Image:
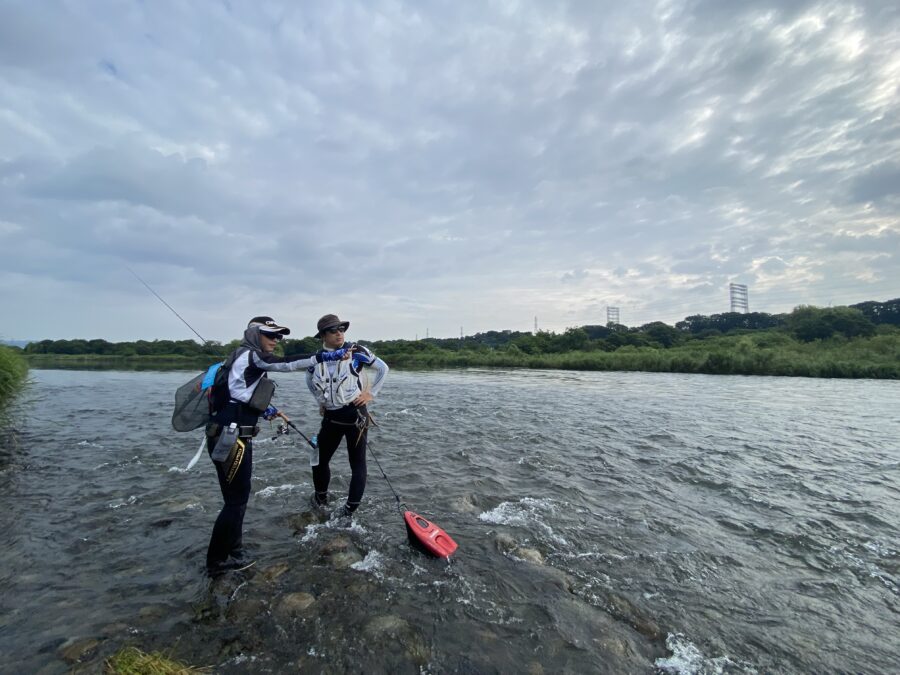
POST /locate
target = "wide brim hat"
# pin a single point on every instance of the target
(330, 321)
(266, 324)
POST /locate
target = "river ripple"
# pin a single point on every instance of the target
(607, 522)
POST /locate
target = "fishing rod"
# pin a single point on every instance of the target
(272, 412)
(166, 304)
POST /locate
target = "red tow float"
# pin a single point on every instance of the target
(427, 536)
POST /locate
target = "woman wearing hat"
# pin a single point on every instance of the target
(343, 397)
(249, 392)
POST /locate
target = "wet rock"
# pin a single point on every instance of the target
(150, 613)
(466, 504)
(392, 630)
(344, 559)
(612, 645)
(386, 626)
(625, 610)
(529, 555)
(246, 609)
(504, 543)
(300, 521)
(295, 604)
(558, 578)
(341, 552)
(78, 650)
(338, 544)
(272, 572)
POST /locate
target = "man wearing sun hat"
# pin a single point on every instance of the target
(343, 390)
(249, 393)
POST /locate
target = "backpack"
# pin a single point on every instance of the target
(197, 400)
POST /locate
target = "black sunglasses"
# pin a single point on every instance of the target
(334, 330)
(278, 337)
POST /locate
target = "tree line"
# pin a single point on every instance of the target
(804, 324)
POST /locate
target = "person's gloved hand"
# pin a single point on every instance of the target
(336, 355)
(270, 413)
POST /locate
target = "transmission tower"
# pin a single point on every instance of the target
(738, 293)
(535, 325)
(612, 315)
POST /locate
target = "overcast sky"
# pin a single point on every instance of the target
(427, 166)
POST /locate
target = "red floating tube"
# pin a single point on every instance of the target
(427, 536)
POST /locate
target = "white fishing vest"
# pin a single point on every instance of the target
(337, 382)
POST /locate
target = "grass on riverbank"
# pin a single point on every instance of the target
(107, 362)
(13, 369)
(760, 354)
(132, 661)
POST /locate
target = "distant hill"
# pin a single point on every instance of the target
(16, 343)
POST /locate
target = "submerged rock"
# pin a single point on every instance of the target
(625, 610)
(300, 521)
(340, 552)
(392, 630)
(504, 543)
(78, 650)
(466, 504)
(528, 554)
(245, 609)
(344, 559)
(387, 625)
(339, 543)
(272, 572)
(295, 604)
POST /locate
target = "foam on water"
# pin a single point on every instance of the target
(527, 512)
(687, 659)
(276, 489)
(373, 563)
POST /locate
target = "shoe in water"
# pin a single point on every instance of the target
(316, 504)
(342, 513)
(230, 565)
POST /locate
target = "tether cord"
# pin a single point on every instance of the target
(364, 423)
(400, 504)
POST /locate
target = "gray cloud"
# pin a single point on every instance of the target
(449, 165)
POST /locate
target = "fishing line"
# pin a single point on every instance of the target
(166, 304)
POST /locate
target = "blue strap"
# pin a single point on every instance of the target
(210, 376)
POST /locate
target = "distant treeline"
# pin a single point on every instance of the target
(810, 341)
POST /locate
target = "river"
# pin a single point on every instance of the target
(606, 522)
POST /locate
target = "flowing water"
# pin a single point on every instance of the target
(607, 522)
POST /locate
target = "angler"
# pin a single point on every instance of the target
(343, 390)
(233, 426)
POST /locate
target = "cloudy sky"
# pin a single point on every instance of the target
(423, 167)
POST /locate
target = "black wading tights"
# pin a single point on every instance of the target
(336, 426)
(227, 534)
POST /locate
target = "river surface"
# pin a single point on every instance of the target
(606, 522)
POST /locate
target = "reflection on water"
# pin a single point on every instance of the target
(606, 521)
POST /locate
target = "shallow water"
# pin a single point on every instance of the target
(607, 522)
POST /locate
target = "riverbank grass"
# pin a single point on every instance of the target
(13, 369)
(132, 661)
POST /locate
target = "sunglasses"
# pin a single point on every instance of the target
(278, 337)
(332, 331)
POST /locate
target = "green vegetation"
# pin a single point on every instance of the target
(132, 661)
(13, 369)
(858, 341)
